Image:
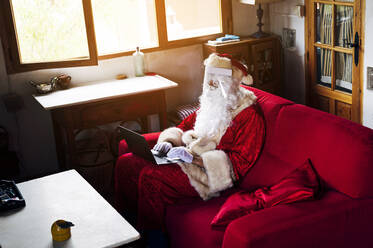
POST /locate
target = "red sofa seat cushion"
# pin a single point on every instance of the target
(188, 224)
(333, 221)
(341, 151)
(302, 184)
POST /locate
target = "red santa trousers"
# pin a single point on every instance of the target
(150, 188)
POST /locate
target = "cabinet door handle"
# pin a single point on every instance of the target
(252, 68)
(356, 46)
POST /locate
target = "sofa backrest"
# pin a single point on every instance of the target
(340, 150)
(270, 105)
(258, 175)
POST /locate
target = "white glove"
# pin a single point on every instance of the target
(181, 153)
(163, 147)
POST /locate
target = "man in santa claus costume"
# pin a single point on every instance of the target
(218, 144)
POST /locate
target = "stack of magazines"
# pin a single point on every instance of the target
(225, 39)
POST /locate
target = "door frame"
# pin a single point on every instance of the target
(357, 101)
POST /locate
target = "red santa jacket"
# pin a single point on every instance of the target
(243, 139)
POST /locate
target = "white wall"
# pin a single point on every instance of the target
(368, 61)
(33, 136)
(244, 19)
(284, 15)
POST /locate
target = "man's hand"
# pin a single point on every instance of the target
(163, 147)
(197, 160)
(181, 153)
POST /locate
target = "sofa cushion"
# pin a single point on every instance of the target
(341, 151)
(335, 221)
(268, 170)
(301, 184)
(188, 224)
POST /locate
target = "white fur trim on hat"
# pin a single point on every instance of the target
(216, 61)
(172, 135)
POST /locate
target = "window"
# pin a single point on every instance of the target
(193, 18)
(53, 36)
(121, 26)
(43, 34)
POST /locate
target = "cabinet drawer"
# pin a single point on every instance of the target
(121, 109)
(126, 109)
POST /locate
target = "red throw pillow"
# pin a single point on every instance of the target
(301, 184)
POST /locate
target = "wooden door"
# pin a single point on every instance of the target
(334, 56)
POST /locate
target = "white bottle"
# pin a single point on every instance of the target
(138, 62)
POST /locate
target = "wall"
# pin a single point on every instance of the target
(283, 15)
(31, 128)
(368, 61)
(244, 19)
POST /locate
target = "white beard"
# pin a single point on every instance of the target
(216, 111)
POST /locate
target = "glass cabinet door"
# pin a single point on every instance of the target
(333, 56)
(265, 58)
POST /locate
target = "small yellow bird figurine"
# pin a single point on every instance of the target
(61, 230)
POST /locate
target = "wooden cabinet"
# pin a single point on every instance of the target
(333, 63)
(262, 56)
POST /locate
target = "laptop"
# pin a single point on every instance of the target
(138, 146)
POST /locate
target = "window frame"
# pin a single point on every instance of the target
(12, 56)
(164, 43)
(11, 50)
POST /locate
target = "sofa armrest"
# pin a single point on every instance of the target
(151, 138)
(345, 223)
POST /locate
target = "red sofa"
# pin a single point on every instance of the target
(342, 154)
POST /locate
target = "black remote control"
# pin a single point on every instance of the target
(10, 196)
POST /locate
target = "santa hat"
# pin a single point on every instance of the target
(226, 61)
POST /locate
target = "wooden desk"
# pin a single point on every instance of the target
(88, 105)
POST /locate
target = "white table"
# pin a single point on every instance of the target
(67, 196)
(90, 92)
